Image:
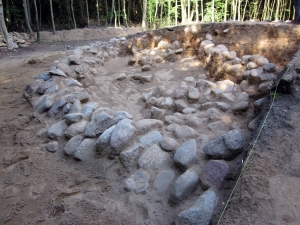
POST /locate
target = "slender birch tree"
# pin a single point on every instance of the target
(27, 17)
(52, 17)
(9, 42)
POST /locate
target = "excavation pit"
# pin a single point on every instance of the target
(168, 120)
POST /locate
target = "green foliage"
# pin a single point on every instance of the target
(219, 10)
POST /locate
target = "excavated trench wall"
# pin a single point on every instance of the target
(277, 42)
(250, 54)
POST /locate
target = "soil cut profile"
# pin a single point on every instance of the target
(152, 128)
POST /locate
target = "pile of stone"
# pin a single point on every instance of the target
(254, 73)
(168, 141)
(20, 40)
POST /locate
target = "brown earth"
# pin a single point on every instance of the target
(38, 187)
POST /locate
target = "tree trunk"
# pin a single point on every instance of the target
(119, 14)
(27, 17)
(155, 14)
(176, 13)
(225, 10)
(244, 10)
(8, 18)
(202, 11)
(115, 13)
(183, 12)
(106, 11)
(189, 11)
(10, 44)
(98, 17)
(125, 15)
(73, 16)
(213, 11)
(197, 12)
(169, 12)
(38, 39)
(87, 12)
(52, 17)
(144, 15)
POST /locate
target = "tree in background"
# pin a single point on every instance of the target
(68, 14)
(10, 44)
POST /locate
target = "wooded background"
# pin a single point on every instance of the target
(20, 15)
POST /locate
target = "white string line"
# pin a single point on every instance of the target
(250, 152)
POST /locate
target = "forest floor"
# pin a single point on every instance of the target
(38, 187)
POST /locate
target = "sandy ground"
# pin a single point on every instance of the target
(38, 187)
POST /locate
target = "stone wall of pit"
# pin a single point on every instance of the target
(274, 41)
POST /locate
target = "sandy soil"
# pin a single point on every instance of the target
(38, 187)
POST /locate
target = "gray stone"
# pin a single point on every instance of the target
(73, 118)
(181, 91)
(166, 103)
(43, 76)
(251, 65)
(193, 93)
(74, 59)
(56, 107)
(131, 61)
(88, 110)
(151, 102)
(45, 104)
(245, 59)
(145, 125)
(98, 111)
(168, 144)
(72, 82)
(121, 135)
(158, 91)
(72, 144)
(75, 107)
(201, 212)
(81, 96)
(86, 148)
(192, 121)
(269, 67)
(153, 158)
(146, 68)
(121, 76)
(223, 106)
(33, 86)
(57, 72)
(185, 132)
(173, 119)
(57, 130)
(45, 85)
(254, 124)
(66, 108)
(261, 61)
(137, 182)
(226, 146)
(180, 105)
(64, 68)
(157, 113)
(119, 115)
(188, 110)
(163, 180)
(151, 138)
(258, 104)
(214, 173)
(186, 154)
(76, 129)
(98, 125)
(131, 154)
(103, 141)
(241, 106)
(146, 78)
(184, 185)
(52, 146)
(190, 81)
